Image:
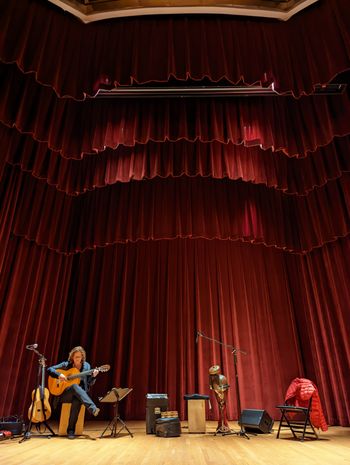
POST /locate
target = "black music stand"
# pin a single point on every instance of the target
(114, 396)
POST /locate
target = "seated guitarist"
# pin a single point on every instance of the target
(76, 394)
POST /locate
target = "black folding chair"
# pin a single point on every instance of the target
(297, 420)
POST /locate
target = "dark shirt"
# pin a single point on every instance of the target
(85, 381)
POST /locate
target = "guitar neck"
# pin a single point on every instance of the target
(79, 375)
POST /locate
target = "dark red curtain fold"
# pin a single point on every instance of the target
(289, 312)
(321, 296)
(170, 208)
(137, 267)
(175, 159)
(294, 126)
(150, 300)
(34, 283)
(158, 48)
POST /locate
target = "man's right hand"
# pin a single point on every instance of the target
(62, 377)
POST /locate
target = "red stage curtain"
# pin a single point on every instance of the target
(33, 292)
(175, 159)
(158, 48)
(143, 315)
(136, 302)
(294, 126)
(289, 312)
(170, 208)
(321, 296)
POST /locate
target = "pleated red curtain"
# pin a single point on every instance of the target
(138, 306)
(126, 226)
(320, 292)
(175, 159)
(171, 208)
(152, 297)
(34, 285)
(74, 128)
(158, 48)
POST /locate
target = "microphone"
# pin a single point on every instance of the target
(32, 346)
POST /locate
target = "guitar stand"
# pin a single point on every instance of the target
(28, 434)
(115, 396)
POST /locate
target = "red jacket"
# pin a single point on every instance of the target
(299, 392)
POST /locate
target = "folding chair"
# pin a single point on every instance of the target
(297, 419)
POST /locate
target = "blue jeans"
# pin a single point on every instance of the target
(76, 396)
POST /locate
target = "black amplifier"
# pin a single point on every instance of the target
(155, 404)
(258, 421)
(14, 424)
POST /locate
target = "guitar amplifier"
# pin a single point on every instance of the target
(155, 404)
(14, 424)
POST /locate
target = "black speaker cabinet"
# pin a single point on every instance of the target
(258, 421)
(155, 404)
(16, 427)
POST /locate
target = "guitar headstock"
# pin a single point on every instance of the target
(103, 368)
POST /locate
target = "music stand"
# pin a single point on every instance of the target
(114, 396)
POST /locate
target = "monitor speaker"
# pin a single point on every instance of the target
(257, 421)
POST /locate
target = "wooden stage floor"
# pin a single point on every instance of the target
(333, 448)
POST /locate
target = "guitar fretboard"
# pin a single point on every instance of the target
(79, 375)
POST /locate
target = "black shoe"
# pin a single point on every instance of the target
(70, 435)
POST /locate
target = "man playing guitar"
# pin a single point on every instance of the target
(76, 394)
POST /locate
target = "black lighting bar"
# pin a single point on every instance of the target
(208, 91)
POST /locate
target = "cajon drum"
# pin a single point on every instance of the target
(64, 418)
(196, 416)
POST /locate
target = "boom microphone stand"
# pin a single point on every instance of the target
(39, 388)
(234, 351)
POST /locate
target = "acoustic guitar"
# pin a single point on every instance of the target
(40, 409)
(73, 375)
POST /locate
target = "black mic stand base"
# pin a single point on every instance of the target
(222, 430)
(242, 433)
(28, 434)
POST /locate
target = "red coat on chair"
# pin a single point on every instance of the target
(299, 392)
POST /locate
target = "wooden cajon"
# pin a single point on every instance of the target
(64, 418)
(196, 416)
